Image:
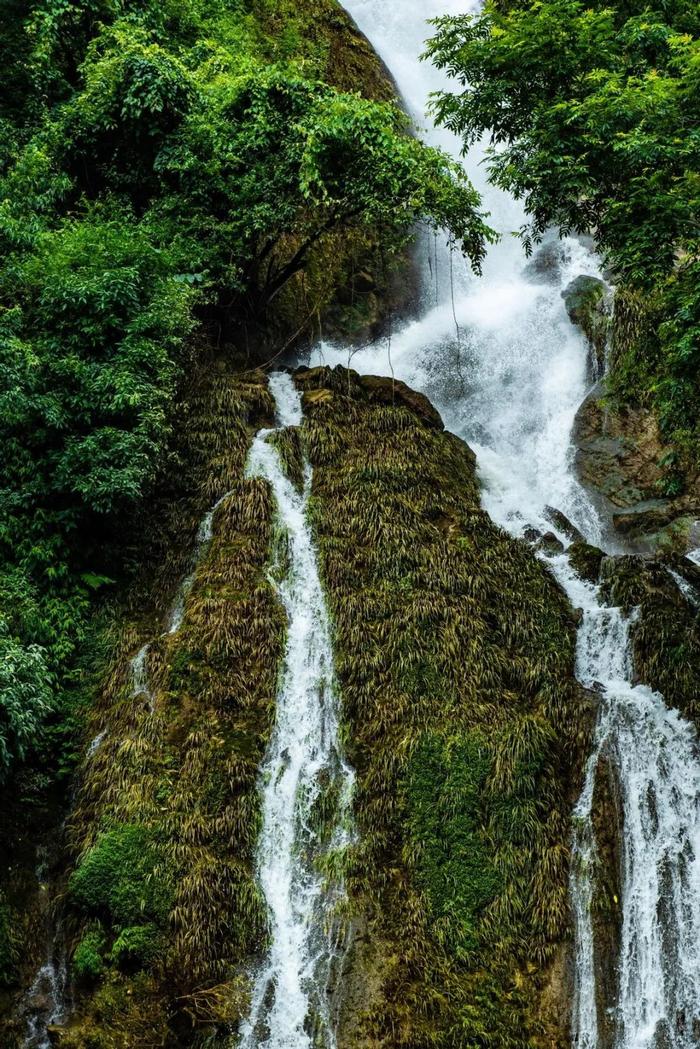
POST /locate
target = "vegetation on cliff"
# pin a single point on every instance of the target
(166, 169)
(454, 652)
(593, 111)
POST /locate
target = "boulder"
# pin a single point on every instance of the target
(586, 560)
(562, 523)
(549, 544)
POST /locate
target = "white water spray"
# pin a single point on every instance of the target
(508, 372)
(291, 1005)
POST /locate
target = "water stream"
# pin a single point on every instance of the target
(500, 359)
(292, 995)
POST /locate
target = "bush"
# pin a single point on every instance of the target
(137, 947)
(88, 963)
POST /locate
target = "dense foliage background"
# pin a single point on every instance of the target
(594, 116)
(165, 170)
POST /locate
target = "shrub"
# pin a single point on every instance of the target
(88, 963)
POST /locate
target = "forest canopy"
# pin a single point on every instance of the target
(160, 163)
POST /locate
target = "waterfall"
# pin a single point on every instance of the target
(500, 359)
(292, 1000)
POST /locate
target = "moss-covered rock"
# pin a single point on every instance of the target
(455, 654)
(665, 633)
(588, 303)
(586, 560)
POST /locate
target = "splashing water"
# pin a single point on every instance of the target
(291, 1004)
(500, 359)
(47, 1001)
(205, 534)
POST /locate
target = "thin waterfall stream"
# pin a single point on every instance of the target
(47, 1003)
(292, 995)
(500, 359)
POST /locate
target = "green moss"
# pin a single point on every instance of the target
(124, 876)
(447, 803)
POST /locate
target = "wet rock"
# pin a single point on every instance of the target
(586, 560)
(549, 544)
(618, 457)
(531, 535)
(646, 517)
(562, 523)
(588, 303)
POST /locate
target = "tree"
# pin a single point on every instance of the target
(593, 113)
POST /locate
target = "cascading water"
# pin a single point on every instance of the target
(291, 1003)
(500, 359)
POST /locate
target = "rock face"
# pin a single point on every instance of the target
(619, 456)
(588, 302)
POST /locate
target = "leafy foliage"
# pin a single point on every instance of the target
(25, 697)
(593, 111)
(88, 963)
(168, 169)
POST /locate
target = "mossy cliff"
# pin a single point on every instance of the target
(454, 651)
(159, 904)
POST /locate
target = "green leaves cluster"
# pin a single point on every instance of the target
(123, 878)
(160, 179)
(593, 111)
